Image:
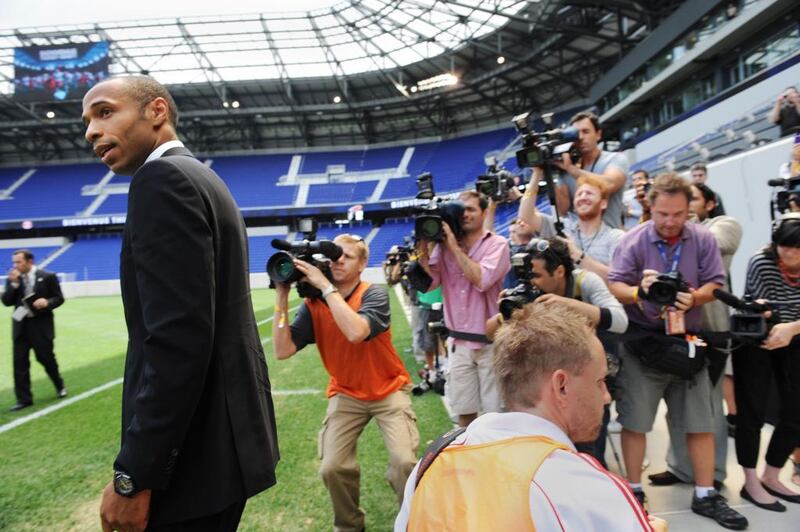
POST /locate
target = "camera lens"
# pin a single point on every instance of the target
(430, 228)
(280, 267)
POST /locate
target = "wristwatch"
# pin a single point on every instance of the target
(124, 484)
(328, 291)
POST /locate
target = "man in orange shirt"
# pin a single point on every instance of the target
(350, 324)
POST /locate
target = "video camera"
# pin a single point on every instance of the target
(783, 199)
(319, 253)
(524, 292)
(542, 148)
(428, 224)
(665, 288)
(495, 182)
(748, 321)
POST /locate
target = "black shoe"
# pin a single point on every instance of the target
(716, 507)
(772, 507)
(62, 393)
(19, 406)
(640, 496)
(718, 485)
(665, 478)
(778, 494)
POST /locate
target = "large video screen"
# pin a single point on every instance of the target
(60, 72)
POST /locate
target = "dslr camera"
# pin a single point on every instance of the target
(495, 182)
(542, 148)
(524, 292)
(428, 225)
(665, 288)
(319, 253)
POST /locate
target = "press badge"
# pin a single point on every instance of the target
(674, 322)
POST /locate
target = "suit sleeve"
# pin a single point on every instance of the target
(9, 297)
(173, 258)
(55, 298)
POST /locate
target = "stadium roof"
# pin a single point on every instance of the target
(358, 72)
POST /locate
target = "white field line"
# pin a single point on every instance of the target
(61, 404)
(267, 320)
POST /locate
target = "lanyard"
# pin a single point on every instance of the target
(676, 256)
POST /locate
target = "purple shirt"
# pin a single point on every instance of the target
(467, 307)
(700, 263)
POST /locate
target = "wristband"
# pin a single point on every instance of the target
(281, 317)
(636, 295)
(328, 291)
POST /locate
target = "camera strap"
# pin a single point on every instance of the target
(435, 449)
(676, 256)
(470, 337)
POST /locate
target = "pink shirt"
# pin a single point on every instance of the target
(466, 306)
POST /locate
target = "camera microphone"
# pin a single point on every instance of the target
(778, 182)
(330, 250)
(283, 245)
(727, 298)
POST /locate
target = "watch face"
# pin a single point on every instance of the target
(123, 484)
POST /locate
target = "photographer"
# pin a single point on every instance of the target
(663, 271)
(716, 318)
(642, 182)
(470, 271)
(609, 167)
(591, 241)
(786, 111)
(773, 274)
(552, 272)
(350, 323)
(519, 470)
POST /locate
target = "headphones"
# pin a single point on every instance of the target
(779, 225)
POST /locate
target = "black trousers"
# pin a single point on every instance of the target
(30, 338)
(753, 371)
(225, 521)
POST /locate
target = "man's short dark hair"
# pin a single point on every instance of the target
(642, 171)
(144, 89)
(24, 252)
(557, 254)
(483, 199)
(699, 166)
(586, 114)
(706, 192)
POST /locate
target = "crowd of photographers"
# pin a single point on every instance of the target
(653, 283)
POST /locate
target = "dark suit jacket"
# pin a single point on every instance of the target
(198, 426)
(46, 286)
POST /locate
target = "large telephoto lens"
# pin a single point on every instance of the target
(281, 269)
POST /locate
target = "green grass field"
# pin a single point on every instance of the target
(53, 469)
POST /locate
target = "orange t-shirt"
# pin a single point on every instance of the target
(369, 370)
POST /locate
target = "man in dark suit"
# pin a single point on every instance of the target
(34, 293)
(198, 426)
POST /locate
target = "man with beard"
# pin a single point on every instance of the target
(609, 167)
(591, 240)
(519, 470)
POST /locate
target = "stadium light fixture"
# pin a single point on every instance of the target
(225, 104)
(337, 99)
(501, 60)
(50, 114)
(442, 80)
(235, 104)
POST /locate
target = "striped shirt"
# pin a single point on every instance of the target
(765, 281)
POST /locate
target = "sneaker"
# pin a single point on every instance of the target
(62, 393)
(716, 507)
(640, 496)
